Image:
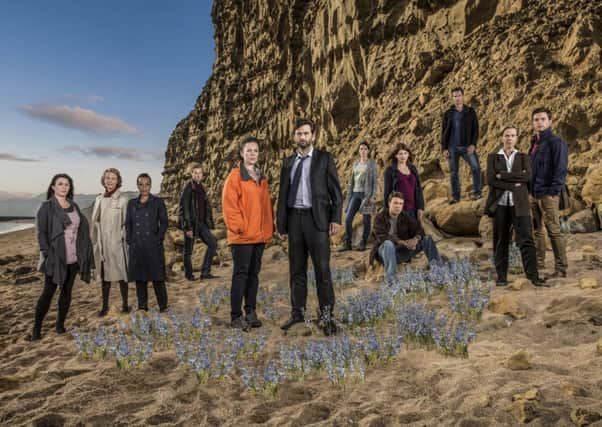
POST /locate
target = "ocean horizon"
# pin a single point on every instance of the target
(10, 226)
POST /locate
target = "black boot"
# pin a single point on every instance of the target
(123, 288)
(346, 246)
(36, 334)
(106, 291)
(362, 246)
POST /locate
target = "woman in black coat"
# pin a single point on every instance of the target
(508, 175)
(402, 176)
(65, 250)
(145, 225)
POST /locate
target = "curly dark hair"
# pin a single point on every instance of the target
(50, 191)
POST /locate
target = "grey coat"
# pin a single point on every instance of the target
(50, 227)
(370, 184)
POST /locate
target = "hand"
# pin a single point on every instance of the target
(498, 176)
(470, 149)
(189, 233)
(412, 243)
(446, 154)
(280, 236)
(372, 200)
(334, 228)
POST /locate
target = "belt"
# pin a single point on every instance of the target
(300, 211)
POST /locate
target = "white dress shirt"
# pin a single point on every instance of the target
(506, 199)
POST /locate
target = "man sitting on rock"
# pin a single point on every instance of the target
(398, 238)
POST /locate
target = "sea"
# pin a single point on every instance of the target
(9, 227)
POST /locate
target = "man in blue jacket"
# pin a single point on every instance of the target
(459, 135)
(549, 164)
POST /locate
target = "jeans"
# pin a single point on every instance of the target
(454, 166)
(352, 209)
(205, 235)
(245, 281)
(546, 212)
(504, 220)
(392, 255)
(64, 299)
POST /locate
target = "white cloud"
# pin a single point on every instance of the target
(124, 153)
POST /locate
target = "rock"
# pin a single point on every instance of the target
(505, 304)
(588, 283)
(486, 228)
(574, 308)
(27, 279)
(598, 210)
(599, 347)
(519, 361)
(583, 222)
(484, 400)
(177, 267)
(591, 192)
(23, 269)
(519, 284)
(460, 219)
(584, 417)
(531, 394)
(524, 411)
(299, 330)
(574, 391)
(176, 236)
(10, 259)
(430, 229)
(588, 249)
(220, 233)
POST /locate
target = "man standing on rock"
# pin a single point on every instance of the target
(196, 219)
(309, 211)
(459, 135)
(549, 164)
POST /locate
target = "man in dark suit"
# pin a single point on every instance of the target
(309, 212)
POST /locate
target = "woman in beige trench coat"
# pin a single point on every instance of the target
(108, 238)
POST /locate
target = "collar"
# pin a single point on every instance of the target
(544, 135)
(503, 153)
(245, 176)
(311, 151)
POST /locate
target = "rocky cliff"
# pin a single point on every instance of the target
(382, 70)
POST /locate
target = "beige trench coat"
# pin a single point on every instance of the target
(108, 237)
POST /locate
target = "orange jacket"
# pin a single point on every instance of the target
(247, 208)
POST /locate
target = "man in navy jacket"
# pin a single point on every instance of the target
(549, 165)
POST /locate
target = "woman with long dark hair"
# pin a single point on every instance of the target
(108, 238)
(65, 250)
(361, 196)
(402, 176)
(249, 219)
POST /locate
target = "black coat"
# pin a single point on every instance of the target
(50, 224)
(326, 195)
(188, 213)
(145, 227)
(521, 173)
(470, 127)
(407, 229)
(549, 165)
(392, 184)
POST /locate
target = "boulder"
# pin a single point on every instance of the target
(583, 221)
(584, 417)
(599, 347)
(524, 411)
(459, 219)
(574, 308)
(486, 228)
(505, 304)
(519, 361)
(588, 283)
(591, 192)
(519, 284)
(430, 229)
(176, 236)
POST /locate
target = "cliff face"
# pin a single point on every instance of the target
(382, 70)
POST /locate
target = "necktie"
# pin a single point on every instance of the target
(292, 192)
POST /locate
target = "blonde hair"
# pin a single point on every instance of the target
(113, 171)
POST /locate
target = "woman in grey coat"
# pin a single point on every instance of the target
(361, 196)
(108, 238)
(65, 250)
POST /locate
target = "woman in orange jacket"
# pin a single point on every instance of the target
(248, 217)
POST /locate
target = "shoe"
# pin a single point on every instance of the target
(453, 201)
(239, 323)
(191, 278)
(362, 246)
(252, 320)
(557, 275)
(125, 309)
(329, 328)
(103, 312)
(501, 282)
(60, 330)
(208, 276)
(35, 336)
(290, 322)
(142, 308)
(540, 283)
(164, 310)
(475, 196)
(346, 246)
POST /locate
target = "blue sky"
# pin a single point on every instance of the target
(90, 85)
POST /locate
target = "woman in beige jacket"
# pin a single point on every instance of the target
(108, 238)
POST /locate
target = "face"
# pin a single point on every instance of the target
(509, 139)
(303, 137)
(61, 187)
(395, 206)
(250, 153)
(110, 181)
(364, 151)
(144, 186)
(458, 98)
(402, 156)
(541, 122)
(197, 175)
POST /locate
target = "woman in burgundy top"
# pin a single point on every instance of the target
(402, 176)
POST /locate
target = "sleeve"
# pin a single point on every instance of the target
(42, 229)
(185, 209)
(560, 159)
(334, 191)
(128, 223)
(349, 191)
(209, 214)
(230, 207)
(375, 180)
(388, 188)
(492, 180)
(124, 209)
(281, 202)
(162, 216)
(475, 129)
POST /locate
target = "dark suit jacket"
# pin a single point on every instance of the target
(326, 195)
(521, 172)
